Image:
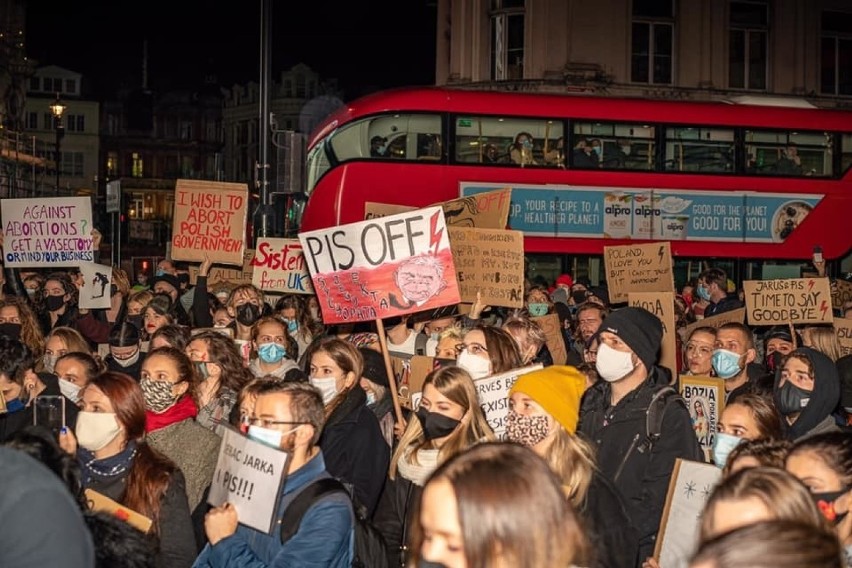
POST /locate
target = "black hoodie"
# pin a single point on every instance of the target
(823, 398)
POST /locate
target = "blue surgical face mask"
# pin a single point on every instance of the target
(271, 352)
(14, 405)
(159, 272)
(726, 363)
(723, 444)
(537, 309)
(703, 293)
(527, 144)
(597, 150)
(265, 436)
(292, 326)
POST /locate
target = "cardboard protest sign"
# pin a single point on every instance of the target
(493, 395)
(488, 210)
(690, 486)
(705, 399)
(95, 294)
(381, 268)
(490, 261)
(279, 266)
(843, 329)
(638, 268)
(374, 210)
(248, 475)
(102, 504)
(553, 337)
(718, 321)
(235, 276)
(792, 300)
(661, 304)
(53, 231)
(841, 292)
(410, 374)
(209, 219)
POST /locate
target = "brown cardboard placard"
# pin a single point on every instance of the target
(638, 268)
(487, 210)
(788, 301)
(843, 329)
(554, 339)
(841, 292)
(661, 304)
(279, 266)
(490, 261)
(705, 399)
(716, 321)
(218, 273)
(101, 503)
(410, 374)
(374, 210)
(209, 220)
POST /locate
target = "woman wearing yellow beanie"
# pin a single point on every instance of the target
(544, 408)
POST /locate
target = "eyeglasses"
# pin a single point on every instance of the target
(266, 423)
(475, 348)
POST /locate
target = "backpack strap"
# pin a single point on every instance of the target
(306, 499)
(654, 415)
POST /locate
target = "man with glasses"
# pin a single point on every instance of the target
(288, 416)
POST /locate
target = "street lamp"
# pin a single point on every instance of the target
(58, 109)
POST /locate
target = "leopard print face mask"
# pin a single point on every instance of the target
(526, 430)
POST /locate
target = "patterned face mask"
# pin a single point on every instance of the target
(158, 395)
(526, 430)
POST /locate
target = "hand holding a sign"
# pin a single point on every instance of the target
(97, 237)
(220, 522)
(478, 307)
(204, 269)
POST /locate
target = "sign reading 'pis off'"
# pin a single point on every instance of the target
(51, 232)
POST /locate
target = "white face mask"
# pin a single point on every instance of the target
(478, 367)
(49, 362)
(96, 429)
(69, 390)
(267, 436)
(129, 362)
(326, 386)
(371, 398)
(613, 365)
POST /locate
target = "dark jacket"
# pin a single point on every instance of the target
(608, 525)
(617, 433)
(392, 516)
(823, 399)
(133, 370)
(354, 449)
(68, 318)
(729, 303)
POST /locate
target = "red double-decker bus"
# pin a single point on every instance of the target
(724, 180)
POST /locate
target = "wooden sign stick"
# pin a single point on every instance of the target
(793, 336)
(383, 341)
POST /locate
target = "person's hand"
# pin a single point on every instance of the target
(67, 441)
(220, 522)
(97, 237)
(399, 428)
(820, 267)
(478, 307)
(204, 269)
(650, 562)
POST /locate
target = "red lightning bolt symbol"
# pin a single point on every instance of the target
(435, 233)
(824, 308)
(810, 285)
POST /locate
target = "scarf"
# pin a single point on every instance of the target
(419, 472)
(183, 409)
(105, 469)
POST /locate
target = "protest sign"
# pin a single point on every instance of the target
(493, 395)
(279, 266)
(234, 276)
(53, 231)
(717, 321)
(792, 300)
(843, 329)
(410, 374)
(374, 210)
(638, 268)
(690, 486)
(248, 475)
(95, 293)
(381, 268)
(553, 337)
(841, 292)
(209, 219)
(100, 503)
(705, 399)
(661, 304)
(489, 261)
(488, 210)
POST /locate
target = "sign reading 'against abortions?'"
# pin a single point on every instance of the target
(638, 268)
(789, 300)
(209, 220)
(383, 267)
(279, 266)
(248, 475)
(55, 231)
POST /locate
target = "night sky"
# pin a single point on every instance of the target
(365, 45)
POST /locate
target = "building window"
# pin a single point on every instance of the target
(136, 165)
(32, 121)
(747, 45)
(836, 64)
(48, 121)
(652, 42)
(70, 86)
(507, 40)
(35, 83)
(185, 130)
(75, 122)
(112, 164)
(81, 123)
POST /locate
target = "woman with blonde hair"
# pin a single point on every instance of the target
(61, 340)
(18, 321)
(822, 338)
(544, 407)
(136, 304)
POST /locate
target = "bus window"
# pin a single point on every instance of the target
(317, 165)
(508, 141)
(846, 153)
(788, 153)
(699, 149)
(384, 137)
(613, 146)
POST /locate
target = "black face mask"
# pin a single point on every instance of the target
(11, 330)
(435, 425)
(579, 296)
(792, 399)
(825, 504)
(54, 303)
(113, 290)
(247, 314)
(135, 320)
(773, 361)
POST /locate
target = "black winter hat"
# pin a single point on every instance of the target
(641, 330)
(169, 279)
(374, 367)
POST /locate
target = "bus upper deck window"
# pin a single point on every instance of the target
(788, 153)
